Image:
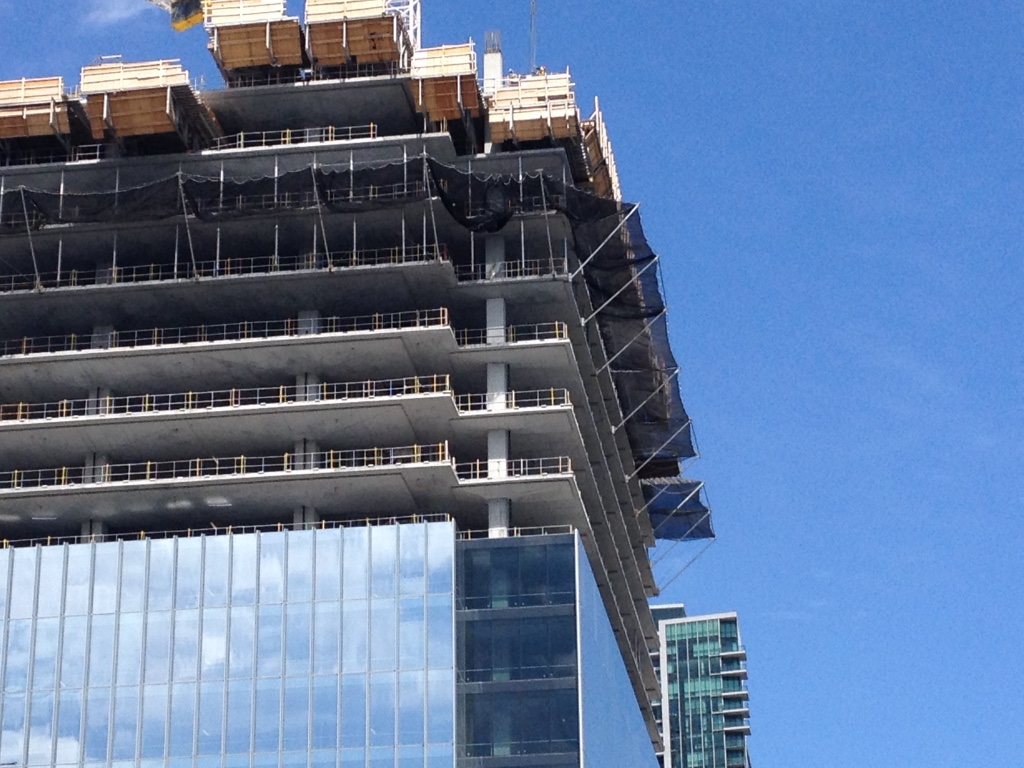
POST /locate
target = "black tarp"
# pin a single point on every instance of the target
(676, 509)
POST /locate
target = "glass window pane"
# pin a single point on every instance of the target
(101, 654)
(353, 709)
(154, 720)
(104, 585)
(97, 722)
(355, 621)
(12, 733)
(215, 571)
(239, 732)
(44, 665)
(328, 564)
(440, 704)
(188, 572)
(440, 623)
(325, 713)
(413, 559)
(384, 560)
(382, 709)
(242, 639)
(19, 651)
(412, 633)
(269, 641)
(440, 557)
(158, 644)
(40, 728)
(213, 660)
(23, 582)
(129, 649)
(296, 714)
(186, 645)
(133, 576)
(412, 695)
(243, 569)
(268, 715)
(272, 567)
(126, 719)
(355, 562)
(69, 724)
(211, 718)
(384, 631)
(161, 574)
(326, 638)
(183, 710)
(51, 581)
(297, 636)
(72, 670)
(300, 566)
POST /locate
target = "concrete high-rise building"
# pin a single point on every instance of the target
(337, 411)
(704, 711)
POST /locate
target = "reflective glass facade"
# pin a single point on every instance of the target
(328, 647)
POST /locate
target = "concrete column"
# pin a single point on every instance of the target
(494, 63)
(305, 454)
(494, 256)
(94, 528)
(496, 321)
(305, 518)
(309, 322)
(307, 387)
(95, 468)
(102, 337)
(497, 454)
(498, 512)
(497, 386)
(96, 403)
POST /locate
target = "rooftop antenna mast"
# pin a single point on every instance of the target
(533, 36)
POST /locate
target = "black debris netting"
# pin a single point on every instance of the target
(159, 200)
(676, 509)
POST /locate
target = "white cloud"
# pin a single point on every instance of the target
(106, 12)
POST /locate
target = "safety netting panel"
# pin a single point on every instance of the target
(677, 510)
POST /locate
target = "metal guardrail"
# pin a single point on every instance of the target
(266, 202)
(513, 469)
(515, 334)
(547, 530)
(155, 337)
(225, 530)
(231, 267)
(247, 140)
(541, 398)
(201, 468)
(225, 398)
(512, 270)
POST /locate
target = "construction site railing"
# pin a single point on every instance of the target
(202, 468)
(513, 469)
(268, 329)
(519, 205)
(515, 334)
(212, 206)
(225, 530)
(546, 530)
(227, 267)
(541, 398)
(328, 133)
(226, 398)
(512, 270)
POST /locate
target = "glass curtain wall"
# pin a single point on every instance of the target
(327, 647)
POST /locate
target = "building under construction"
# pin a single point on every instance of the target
(337, 410)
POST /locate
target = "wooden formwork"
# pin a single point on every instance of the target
(445, 81)
(604, 175)
(338, 31)
(534, 107)
(33, 107)
(253, 33)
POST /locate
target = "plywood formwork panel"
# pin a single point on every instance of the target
(535, 107)
(33, 107)
(336, 10)
(219, 13)
(267, 44)
(40, 90)
(445, 81)
(377, 40)
(141, 112)
(120, 76)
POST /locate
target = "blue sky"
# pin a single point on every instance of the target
(836, 191)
